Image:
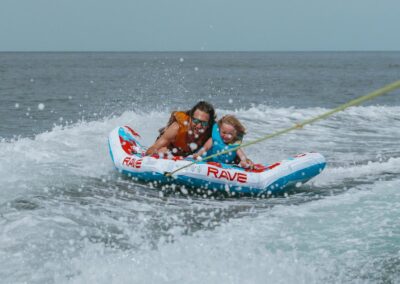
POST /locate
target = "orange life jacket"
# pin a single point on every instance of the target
(182, 141)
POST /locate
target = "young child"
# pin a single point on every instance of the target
(226, 134)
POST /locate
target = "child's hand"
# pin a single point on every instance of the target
(197, 157)
(248, 164)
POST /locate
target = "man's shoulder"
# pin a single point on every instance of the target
(172, 129)
(181, 116)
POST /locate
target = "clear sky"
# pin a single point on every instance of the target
(209, 25)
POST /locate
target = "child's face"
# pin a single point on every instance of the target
(227, 132)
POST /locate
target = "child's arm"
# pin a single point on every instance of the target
(207, 146)
(244, 161)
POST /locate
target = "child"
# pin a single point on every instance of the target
(226, 134)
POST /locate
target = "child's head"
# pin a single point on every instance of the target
(230, 129)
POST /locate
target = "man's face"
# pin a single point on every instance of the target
(199, 122)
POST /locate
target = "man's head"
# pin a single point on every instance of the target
(202, 117)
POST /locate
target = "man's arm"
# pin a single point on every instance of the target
(165, 140)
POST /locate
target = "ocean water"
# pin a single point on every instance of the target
(66, 215)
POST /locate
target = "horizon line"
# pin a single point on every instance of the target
(188, 51)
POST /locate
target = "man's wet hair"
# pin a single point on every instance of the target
(204, 107)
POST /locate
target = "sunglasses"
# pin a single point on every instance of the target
(202, 122)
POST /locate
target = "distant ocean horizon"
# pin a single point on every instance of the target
(201, 51)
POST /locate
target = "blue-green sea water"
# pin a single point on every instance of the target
(67, 216)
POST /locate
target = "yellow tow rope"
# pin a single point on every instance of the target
(370, 96)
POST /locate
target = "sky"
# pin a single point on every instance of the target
(202, 25)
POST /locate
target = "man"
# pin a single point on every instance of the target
(186, 132)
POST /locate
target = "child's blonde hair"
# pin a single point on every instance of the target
(232, 120)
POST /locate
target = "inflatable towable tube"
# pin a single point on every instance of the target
(128, 156)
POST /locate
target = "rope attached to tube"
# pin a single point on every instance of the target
(386, 89)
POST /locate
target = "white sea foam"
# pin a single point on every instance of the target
(310, 243)
(368, 171)
(78, 150)
(332, 240)
(81, 149)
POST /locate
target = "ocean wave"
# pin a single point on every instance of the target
(80, 149)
